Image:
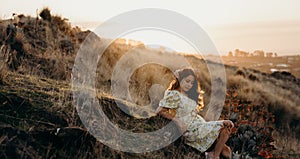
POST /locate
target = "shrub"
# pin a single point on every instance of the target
(61, 24)
(241, 73)
(45, 14)
(3, 69)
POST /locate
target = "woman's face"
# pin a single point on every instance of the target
(187, 83)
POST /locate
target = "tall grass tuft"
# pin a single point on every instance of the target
(3, 66)
(45, 14)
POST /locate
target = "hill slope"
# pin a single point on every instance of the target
(37, 59)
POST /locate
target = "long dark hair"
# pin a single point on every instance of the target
(194, 92)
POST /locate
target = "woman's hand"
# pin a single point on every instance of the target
(181, 125)
(170, 114)
(167, 113)
(228, 123)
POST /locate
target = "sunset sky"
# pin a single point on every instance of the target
(269, 25)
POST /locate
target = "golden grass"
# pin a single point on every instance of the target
(45, 87)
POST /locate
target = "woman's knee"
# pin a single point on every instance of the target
(225, 132)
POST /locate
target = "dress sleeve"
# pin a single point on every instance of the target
(171, 99)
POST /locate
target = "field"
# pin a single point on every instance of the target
(267, 64)
(39, 118)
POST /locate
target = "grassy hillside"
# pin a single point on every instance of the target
(39, 119)
(34, 109)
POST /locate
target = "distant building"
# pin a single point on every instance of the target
(239, 53)
(120, 41)
(269, 54)
(230, 54)
(134, 43)
(128, 42)
(259, 53)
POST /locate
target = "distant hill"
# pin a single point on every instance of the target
(267, 64)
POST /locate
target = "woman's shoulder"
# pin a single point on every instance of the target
(172, 92)
(172, 95)
(172, 99)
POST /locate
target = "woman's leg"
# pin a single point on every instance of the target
(223, 137)
(226, 151)
(219, 146)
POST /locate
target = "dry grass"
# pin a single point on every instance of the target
(47, 48)
(3, 66)
(30, 118)
(280, 96)
(45, 14)
(266, 64)
(43, 47)
(286, 142)
(264, 92)
(3, 71)
(144, 78)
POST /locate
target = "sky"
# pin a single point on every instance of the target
(269, 25)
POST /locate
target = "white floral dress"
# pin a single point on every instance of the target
(200, 134)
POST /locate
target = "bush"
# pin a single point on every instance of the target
(45, 14)
(3, 69)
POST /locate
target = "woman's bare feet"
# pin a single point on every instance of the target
(211, 155)
(226, 152)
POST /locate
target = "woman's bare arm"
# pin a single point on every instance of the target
(165, 112)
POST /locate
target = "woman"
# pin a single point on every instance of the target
(181, 103)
